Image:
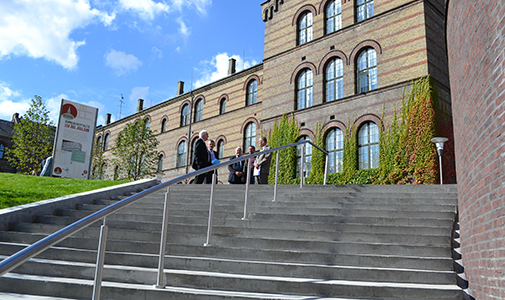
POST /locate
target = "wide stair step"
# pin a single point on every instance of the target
(319, 242)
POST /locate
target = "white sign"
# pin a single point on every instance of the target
(73, 146)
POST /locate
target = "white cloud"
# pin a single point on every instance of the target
(217, 68)
(146, 9)
(157, 53)
(183, 29)
(121, 62)
(201, 5)
(41, 29)
(11, 102)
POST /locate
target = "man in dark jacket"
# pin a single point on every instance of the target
(237, 174)
(201, 157)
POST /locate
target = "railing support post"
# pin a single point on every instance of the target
(302, 166)
(164, 228)
(248, 181)
(326, 169)
(100, 257)
(211, 210)
(276, 175)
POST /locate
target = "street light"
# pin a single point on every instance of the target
(439, 142)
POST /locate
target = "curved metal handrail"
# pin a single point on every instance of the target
(31, 251)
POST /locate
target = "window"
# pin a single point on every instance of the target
(222, 106)
(308, 156)
(333, 16)
(2, 150)
(148, 122)
(252, 91)
(198, 110)
(335, 147)
(181, 154)
(304, 89)
(367, 70)
(368, 146)
(98, 144)
(334, 80)
(185, 115)
(106, 142)
(160, 163)
(220, 149)
(164, 125)
(250, 135)
(305, 28)
(364, 9)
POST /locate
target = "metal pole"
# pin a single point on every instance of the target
(211, 210)
(440, 163)
(326, 169)
(302, 168)
(97, 285)
(163, 243)
(276, 175)
(248, 180)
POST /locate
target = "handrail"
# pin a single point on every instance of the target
(27, 253)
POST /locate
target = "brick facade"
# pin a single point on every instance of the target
(407, 48)
(476, 44)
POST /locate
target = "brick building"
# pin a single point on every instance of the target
(336, 63)
(6, 129)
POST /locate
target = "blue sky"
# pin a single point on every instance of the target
(92, 51)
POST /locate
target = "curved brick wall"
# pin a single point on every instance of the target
(476, 47)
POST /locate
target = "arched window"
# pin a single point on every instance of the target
(335, 147)
(220, 149)
(198, 110)
(364, 9)
(368, 146)
(2, 150)
(163, 125)
(148, 122)
(304, 89)
(99, 143)
(249, 135)
(305, 28)
(367, 71)
(333, 16)
(334, 80)
(160, 163)
(222, 106)
(106, 142)
(308, 156)
(252, 92)
(185, 115)
(181, 154)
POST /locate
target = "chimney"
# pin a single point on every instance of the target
(180, 88)
(15, 118)
(140, 107)
(231, 67)
(107, 119)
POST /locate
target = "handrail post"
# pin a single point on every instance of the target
(326, 169)
(100, 257)
(276, 175)
(163, 243)
(211, 210)
(302, 166)
(248, 181)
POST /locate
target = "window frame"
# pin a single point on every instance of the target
(249, 137)
(252, 92)
(222, 106)
(305, 28)
(2, 150)
(370, 145)
(307, 90)
(181, 156)
(367, 7)
(106, 140)
(184, 115)
(160, 163)
(335, 153)
(220, 149)
(198, 111)
(308, 156)
(366, 68)
(337, 81)
(335, 17)
(164, 125)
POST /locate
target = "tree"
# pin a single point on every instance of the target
(98, 163)
(135, 152)
(33, 138)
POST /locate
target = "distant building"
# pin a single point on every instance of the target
(336, 63)
(6, 128)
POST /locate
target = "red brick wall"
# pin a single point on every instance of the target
(476, 47)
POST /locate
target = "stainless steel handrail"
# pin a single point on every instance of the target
(33, 250)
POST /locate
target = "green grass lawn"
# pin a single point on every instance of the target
(17, 189)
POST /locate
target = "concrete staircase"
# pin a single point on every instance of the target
(332, 242)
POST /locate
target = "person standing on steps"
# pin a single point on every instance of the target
(237, 174)
(201, 157)
(262, 163)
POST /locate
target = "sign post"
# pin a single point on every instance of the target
(73, 145)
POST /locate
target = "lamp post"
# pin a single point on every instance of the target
(439, 142)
